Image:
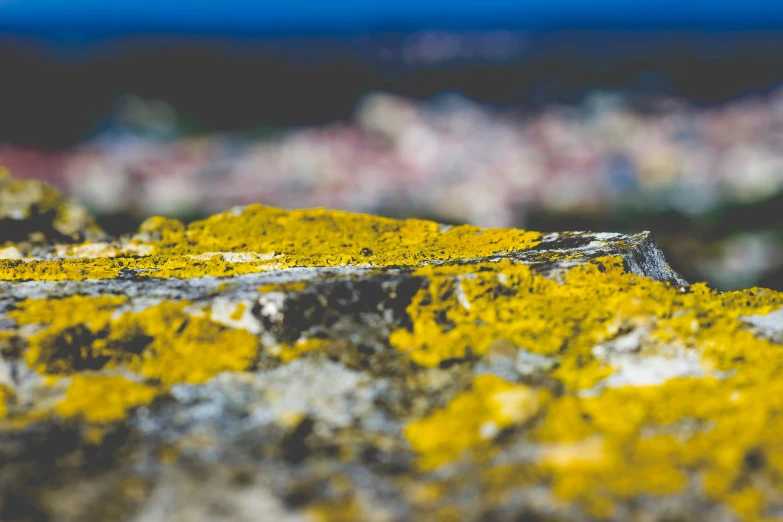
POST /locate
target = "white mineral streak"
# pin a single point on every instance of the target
(633, 370)
(223, 311)
(101, 249)
(235, 257)
(632, 367)
(772, 322)
(88, 250)
(272, 305)
(461, 297)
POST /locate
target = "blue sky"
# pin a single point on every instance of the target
(347, 16)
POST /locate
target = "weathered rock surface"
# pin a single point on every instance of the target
(317, 365)
(34, 213)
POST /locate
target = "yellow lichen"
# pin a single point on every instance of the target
(339, 510)
(329, 238)
(601, 448)
(164, 342)
(260, 237)
(594, 446)
(613, 458)
(289, 352)
(425, 494)
(294, 286)
(236, 315)
(459, 316)
(102, 399)
(69, 339)
(472, 419)
(183, 348)
(5, 395)
(69, 311)
(157, 266)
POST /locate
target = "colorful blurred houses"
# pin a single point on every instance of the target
(447, 159)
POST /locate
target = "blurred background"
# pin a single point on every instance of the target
(605, 115)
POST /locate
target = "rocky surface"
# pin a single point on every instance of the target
(33, 213)
(319, 365)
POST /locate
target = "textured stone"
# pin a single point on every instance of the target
(34, 213)
(317, 365)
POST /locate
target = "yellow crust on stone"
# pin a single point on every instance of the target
(334, 238)
(472, 419)
(461, 315)
(4, 397)
(157, 266)
(597, 449)
(71, 322)
(259, 237)
(340, 510)
(594, 450)
(164, 343)
(290, 352)
(293, 286)
(101, 399)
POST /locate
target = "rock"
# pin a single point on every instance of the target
(34, 212)
(10, 253)
(320, 365)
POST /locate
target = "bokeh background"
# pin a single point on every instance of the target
(605, 115)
